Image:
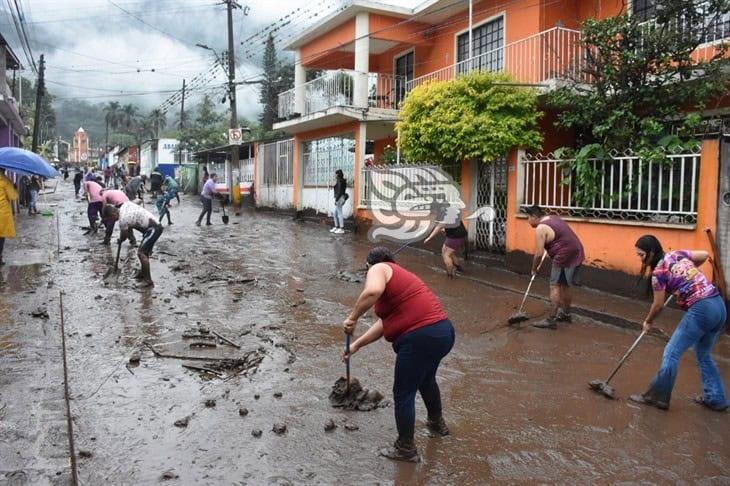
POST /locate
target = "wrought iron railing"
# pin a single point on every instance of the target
(629, 189)
(405, 187)
(552, 54)
(337, 88)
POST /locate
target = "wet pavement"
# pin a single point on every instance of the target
(516, 400)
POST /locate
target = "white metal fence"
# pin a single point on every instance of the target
(405, 187)
(324, 156)
(246, 170)
(337, 88)
(277, 161)
(552, 54)
(629, 188)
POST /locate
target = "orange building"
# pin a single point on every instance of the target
(367, 57)
(80, 153)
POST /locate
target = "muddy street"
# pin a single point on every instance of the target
(255, 308)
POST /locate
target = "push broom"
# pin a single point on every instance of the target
(521, 315)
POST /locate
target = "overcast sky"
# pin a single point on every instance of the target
(97, 51)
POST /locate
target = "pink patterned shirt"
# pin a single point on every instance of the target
(677, 274)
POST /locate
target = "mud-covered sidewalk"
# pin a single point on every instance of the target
(516, 400)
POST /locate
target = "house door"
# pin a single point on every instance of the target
(492, 191)
(404, 72)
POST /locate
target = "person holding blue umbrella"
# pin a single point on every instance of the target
(8, 194)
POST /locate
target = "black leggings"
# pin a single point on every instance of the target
(207, 209)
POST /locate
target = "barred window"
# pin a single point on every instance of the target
(488, 40)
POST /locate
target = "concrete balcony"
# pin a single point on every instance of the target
(340, 96)
(542, 58)
(9, 109)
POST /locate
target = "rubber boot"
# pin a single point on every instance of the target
(438, 426)
(401, 450)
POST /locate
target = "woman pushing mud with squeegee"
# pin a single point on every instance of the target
(676, 272)
(411, 317)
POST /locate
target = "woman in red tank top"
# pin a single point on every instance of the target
(411, 317)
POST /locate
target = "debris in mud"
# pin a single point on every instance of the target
(85, 454)
(351, 427)
(40, 313)
(169, 475)
(298, 303)
(330, 425)
(349, 277)
(278, 395)
(203, 344)
(358, 398)
(134, 358)
(183, 422)
(256, 396)
(279, 429)
(243, 411)
(256, 433)
(210, 403)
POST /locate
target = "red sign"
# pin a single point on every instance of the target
(133, 154)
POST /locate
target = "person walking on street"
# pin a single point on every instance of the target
(163, 202)
(341, 197)
(8, 194)
(93, 196)
(411, 317)
(107, 176)
(112, 197)
(34, 187)
(132, 217)
(677, 273)
(455, 240)
(206, 198)
(78, 177)
(554, 236)
(135, 187)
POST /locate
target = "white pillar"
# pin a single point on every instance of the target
(362, 59)
(3, 67)
(300, 77)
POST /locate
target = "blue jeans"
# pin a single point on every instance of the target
(419, 354)
(339, 217)
(700, 327)
(33, 201)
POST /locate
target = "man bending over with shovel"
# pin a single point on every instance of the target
(131, 217)
(553, 235)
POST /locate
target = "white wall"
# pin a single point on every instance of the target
(322, 200)
(166, 148)
(146, 158)
(280, 197)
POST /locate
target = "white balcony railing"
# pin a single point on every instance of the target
(551, 54)
(338, 88)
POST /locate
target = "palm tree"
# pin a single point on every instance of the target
(158, 120)
(129, 115)
(112, 113)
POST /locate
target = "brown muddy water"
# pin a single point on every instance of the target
(516, 400)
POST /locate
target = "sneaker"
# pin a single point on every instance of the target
(701, 401)
(105, 242)
(401, 451)
(197, 223)
(644, 400)
(564, 317)
(339, 231)
(208, 223)
(438, 426)
(549, 323)
(334, 229)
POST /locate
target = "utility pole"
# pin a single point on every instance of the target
(182, 124)
(38, 98)
(231, 4)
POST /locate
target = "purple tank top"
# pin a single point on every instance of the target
(565, 250)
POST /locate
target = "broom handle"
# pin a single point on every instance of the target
(628, 353)
(532, 279)
(348, 337)
(633, 346)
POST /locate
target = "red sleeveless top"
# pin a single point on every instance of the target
(406, 304)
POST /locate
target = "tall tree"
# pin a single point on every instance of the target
(129, 116)
(269, 97)
(112, 118)
(158, 120)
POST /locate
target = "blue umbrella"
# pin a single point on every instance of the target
(25, 162)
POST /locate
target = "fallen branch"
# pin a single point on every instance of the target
(226, 340)
(177, 356)
(202, 368)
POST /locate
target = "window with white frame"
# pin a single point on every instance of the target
(716, 24)
(324, 156)
(487, 47)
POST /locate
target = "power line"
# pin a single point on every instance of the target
(133, 15)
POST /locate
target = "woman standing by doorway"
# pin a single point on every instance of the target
(341, 197)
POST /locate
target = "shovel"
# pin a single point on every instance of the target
(521, 315)
(348, 338)
(115, 269)
(225, 216)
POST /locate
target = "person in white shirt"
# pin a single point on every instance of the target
(131, 217)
